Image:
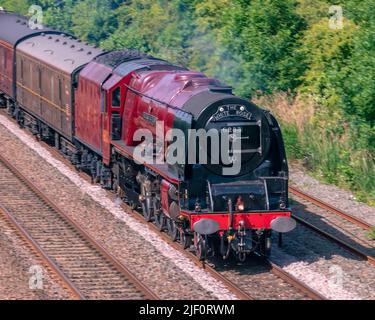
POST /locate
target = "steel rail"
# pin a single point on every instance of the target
(357, 221)
(338, 241)
(287, 277)
(95, 244)
(278, 271)
(44, 256)
(241, 294)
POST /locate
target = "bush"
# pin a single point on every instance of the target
(372, 234)
(333, 149)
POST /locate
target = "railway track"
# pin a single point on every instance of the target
(359, 222)
(337, 213)
(82, 264)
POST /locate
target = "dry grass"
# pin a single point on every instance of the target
(324, 142)
(298, 110)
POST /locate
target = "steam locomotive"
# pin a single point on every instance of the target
(94, 105)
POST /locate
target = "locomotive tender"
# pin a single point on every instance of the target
(90, 104)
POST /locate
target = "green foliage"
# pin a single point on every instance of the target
(291, 140)
(159, 27)
(93, 21)
(312, 11)
(372, 234)
(258, 37)
(57, 14)
(20, 6)
(333, 158)
(326, 53)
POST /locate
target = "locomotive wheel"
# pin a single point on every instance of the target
(132, 205)
(172, 229)
(201, 248)
(147, 212)
(185, 239)
(160, 221)
(262, 244)
(241, 257)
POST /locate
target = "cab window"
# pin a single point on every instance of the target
(116, 98)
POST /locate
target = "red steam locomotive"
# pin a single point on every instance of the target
(91, 105)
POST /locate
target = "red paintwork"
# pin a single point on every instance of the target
(88, 105)
(6, 68)
(169, 87)
(253, 220)
(164, 197)
(172, 88)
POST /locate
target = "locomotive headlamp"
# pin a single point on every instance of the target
(230, 238)
(240, 205)
(282, 205)
(198, 207)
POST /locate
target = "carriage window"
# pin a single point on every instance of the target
(5, 58)
(21, 69)
(116, 97)
(52, 88)
(60, 91)
(40, 79)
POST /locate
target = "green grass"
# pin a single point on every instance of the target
(333, 159)
(372, 234)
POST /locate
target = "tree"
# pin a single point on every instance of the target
(327, 53)
(157, 27)
(93, 21)
(256, 39)
(19, 6)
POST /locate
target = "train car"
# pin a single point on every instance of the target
(14, 29)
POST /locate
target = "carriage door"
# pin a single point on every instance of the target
(106, 147)
(116, 114)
